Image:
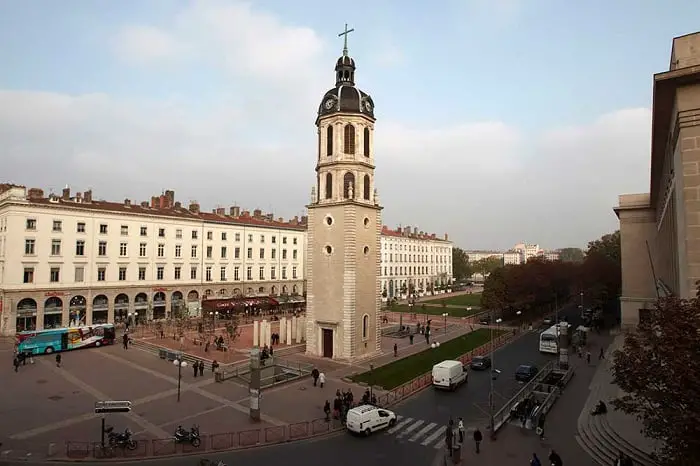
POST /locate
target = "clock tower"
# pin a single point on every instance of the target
(344, 226)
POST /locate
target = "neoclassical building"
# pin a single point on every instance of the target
(660, 230)
(66, 260)
(343, 256)
(413, 261)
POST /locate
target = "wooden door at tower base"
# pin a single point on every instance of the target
(327, 342)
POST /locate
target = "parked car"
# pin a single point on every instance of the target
(485, 321)
(525, 373)
(480, 363)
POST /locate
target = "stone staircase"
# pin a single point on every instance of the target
(604, 436)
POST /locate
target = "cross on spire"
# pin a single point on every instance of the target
(344, 35)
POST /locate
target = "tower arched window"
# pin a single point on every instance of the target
(365, 142)
(329, 186)
(365, 326)
(329, 140)
(349, 186)
(349, 138)
(365, 188)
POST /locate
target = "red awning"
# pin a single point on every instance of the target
(238, 303)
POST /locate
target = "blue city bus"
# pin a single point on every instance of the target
(64, 339)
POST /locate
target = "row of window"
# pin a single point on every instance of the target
(122, 275)
(415, 258)
(413, 270)
(31, 225)
(348, 140)
(30, 250)
(416, 248)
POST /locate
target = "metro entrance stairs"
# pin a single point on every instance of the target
(604, 436)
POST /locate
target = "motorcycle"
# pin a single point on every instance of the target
(121, 439)
(182, 436)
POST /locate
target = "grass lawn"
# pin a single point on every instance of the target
(435, 311)
(401, 371)
(473, 299)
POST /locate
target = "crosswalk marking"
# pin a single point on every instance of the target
(411, 428)
(400, 425)
(434, 436)
(422, 432)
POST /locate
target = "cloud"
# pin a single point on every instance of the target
(138, 45)
(487, 183)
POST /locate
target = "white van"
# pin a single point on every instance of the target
(366, 419)
(449, 374)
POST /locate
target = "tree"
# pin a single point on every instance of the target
(607, 245)
(571, 255)
(233, 329)
(461, 267)
(487, 265)
(659, 370)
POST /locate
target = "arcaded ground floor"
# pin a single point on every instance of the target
(37, 310)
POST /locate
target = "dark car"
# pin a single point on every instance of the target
(485, 321)
(480, 363)
(525, 373)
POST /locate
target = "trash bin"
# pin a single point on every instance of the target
(457, 454)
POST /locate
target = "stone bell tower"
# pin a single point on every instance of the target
(343, 287)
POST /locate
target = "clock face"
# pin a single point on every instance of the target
(329, 104)
(368, 106)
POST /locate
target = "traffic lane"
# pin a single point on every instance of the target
(471, 400)
(341, 449)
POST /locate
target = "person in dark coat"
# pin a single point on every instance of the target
(477, 438)
(555, 458)
(315, 374)
(201, 368)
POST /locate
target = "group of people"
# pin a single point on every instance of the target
(554, 459)
(198, 367)
(21, 359)
(344, 400)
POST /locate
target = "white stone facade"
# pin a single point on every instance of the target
(413, 262)
(67, 257)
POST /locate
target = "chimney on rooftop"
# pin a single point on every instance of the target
(447, 238)
(178, 205)
(415, 230)
(78, 196)
(257, 213)
(127, 202)
(304, 219)
(280, 220)
(270, 217)
(245, 213)
(235, 211)
(35, 193)
(406, 231)
(154, 202)
(87, 195)
(194, 207)
(220, 211)
(66, 193)
(295, 220)
(170, 198)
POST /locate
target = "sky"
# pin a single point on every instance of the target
(498, 121)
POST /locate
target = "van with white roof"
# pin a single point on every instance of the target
(366, 419)
(449, 375)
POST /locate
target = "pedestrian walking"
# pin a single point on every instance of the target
(58, 360)
(410, 338)
(15, 362)
(125, 341)
(535, 461)
(540, 427)
(477, 439)
(201, 368)
(588, 357)
(195, 366)
(601, 355)
(314, 375)
(555, 458)
(460, 430)
(321, 379)
(327, 410)
(396, 350)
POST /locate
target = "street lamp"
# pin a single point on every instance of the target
(214, 315)
(444, 317)
(180, 364)
(371, 381)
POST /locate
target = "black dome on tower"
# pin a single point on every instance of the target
(345, 97)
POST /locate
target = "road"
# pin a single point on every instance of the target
(418, 435)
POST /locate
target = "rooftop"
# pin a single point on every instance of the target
(163, 205)
(412, 233)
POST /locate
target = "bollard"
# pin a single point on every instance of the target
(51, 450)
